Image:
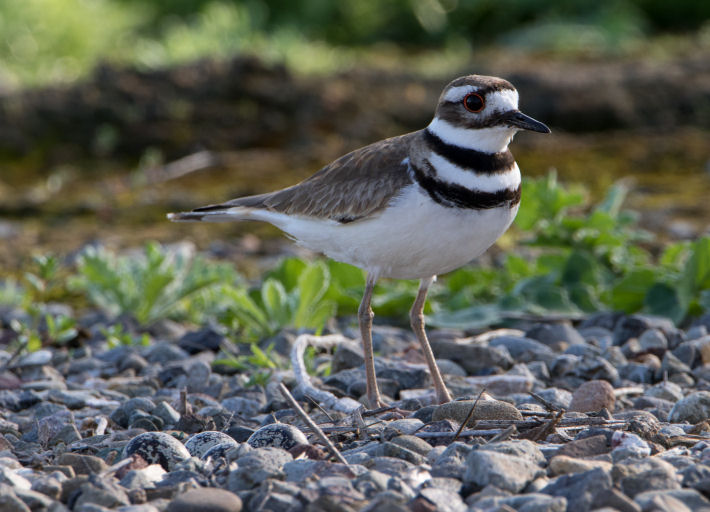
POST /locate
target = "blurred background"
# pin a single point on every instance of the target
(114, 112)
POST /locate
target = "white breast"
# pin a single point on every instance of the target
(413, 238)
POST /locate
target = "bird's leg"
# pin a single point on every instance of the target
(416, 316)
(365, 316)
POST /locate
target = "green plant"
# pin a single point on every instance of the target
(296, 298)
(580, 260)
(261, 363)
(116, 336)
(149, 286)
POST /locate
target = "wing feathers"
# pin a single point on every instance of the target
(356, 185)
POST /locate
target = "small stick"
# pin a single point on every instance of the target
(375, 412)
(549, 406)
(547, 429)
(316, 429)
(319, 407)
(468, 416)
(505, 434)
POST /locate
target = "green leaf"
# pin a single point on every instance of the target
(288, 272)
(704, 300)
(580, 268)
(319, 315)
(273, 296)
(312, 285)
(629, 293)
(474, 317)
(663, 300)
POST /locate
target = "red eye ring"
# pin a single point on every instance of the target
(473, 102)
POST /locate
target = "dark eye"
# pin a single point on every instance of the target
(474, 102)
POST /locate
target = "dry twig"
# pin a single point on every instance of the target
(315, 428)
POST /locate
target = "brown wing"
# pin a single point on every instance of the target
(354, 186)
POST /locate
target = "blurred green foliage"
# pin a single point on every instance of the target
(44, 41)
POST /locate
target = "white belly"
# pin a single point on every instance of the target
(413, 238)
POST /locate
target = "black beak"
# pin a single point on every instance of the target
(525, 122)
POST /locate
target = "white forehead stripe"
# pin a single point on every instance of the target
(458, 93)
(502, 101)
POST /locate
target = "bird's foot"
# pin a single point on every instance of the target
(443, 396)
(375, 402)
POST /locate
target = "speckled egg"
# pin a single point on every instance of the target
(200, 443)
(219, 451)
(157, 448)
(277, 435)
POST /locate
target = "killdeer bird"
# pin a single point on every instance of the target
(409, 207)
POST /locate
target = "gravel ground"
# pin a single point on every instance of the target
(608, 414)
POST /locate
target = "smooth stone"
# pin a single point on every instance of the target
(593, 396)
(665, 390)
(371, 483)
(585, 447)
(412, 443)
(404, 426)
(693, 409)
(583, 491)
(507, 472)
(523, 350)
(12, 478)
(676, 500)
(485, 410)
(206, 499)
(671, 365)
(202, 339)
(390, 449)
(556, 396)
(500, 385)
(563, 464)
(167, 413)
(199, 444)
(471, 357)
(9, 502)
(242, 406)
(451, 461)
(157, 448)
(653, 340)
(632, 326)
(277, 435)
(101, 491)
(82, 464)
(162, 353)
(37, 358)
(661, 476)
(256, 466)
(443, 500)
(348, 355)
(449, 367)
(529, 502)
(555, 334)
(517, 447)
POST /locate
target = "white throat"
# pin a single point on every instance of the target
(486, 140)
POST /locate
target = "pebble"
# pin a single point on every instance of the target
(694, 408)
(206, 499)
(592, 396)
(508, 472)
(68, 416)
(459, 410)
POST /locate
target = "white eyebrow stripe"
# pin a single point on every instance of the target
(458, 93)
